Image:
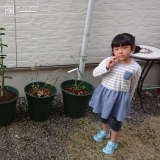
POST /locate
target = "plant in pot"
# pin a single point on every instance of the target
(76, 93)
(40, 95)
(8, 94)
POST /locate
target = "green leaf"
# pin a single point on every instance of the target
(2, 56)
(9, 77)
(2, 33)
(4, 68)
(84, 59)
(0, 39)
(4, 45)
(2, 29)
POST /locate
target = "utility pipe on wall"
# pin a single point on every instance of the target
(86, 36)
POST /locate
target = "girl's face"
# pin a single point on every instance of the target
(122, 53)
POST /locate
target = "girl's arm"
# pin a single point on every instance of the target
(101, 68)
(134, 82)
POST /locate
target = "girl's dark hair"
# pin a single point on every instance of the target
(124, 39)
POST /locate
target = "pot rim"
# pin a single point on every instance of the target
(74, 94)
(26, 92)
(17, 94)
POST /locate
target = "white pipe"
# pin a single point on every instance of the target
(86, 36)
(76, 69)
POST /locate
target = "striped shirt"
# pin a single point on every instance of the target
(120, 77)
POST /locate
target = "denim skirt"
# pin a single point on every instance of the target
(109, 102)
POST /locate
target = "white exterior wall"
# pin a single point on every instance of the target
(55, 32)
(138, 17)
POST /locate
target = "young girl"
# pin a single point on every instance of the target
(111, 99)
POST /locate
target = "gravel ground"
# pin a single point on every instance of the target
(27, 139)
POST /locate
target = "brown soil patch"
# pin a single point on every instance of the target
(8, 96)
(77, 91)
(40, 92)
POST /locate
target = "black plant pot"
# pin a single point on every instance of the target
(7, 109)
(75, 105)
(39, 107)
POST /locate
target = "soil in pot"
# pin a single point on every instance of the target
(76, 91)
(9, 95)
(40, 92)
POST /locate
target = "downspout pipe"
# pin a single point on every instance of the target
(86, 36)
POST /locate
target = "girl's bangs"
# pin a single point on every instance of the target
(120, 41)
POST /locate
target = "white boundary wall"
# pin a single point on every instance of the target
(54, 32)
(22, 78)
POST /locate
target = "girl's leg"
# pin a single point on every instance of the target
(112, 144)
(115, 130)
(104, 123)
(104, 132)
(105, 127)
(114, 136)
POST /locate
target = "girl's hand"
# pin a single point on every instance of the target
(110, 63)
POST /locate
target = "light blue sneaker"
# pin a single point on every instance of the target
(110, 147)
(101, 135)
